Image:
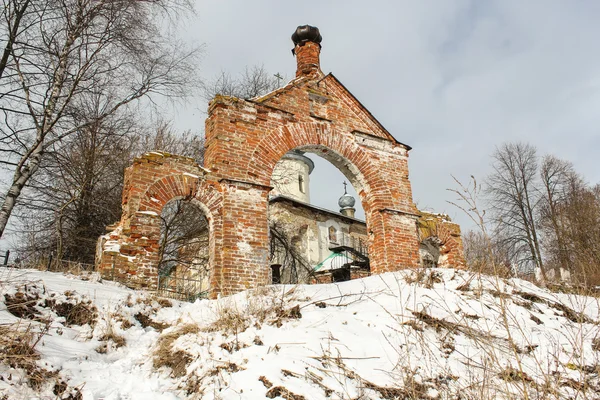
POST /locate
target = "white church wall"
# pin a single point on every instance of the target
(291, 179)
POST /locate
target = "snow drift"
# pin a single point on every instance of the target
(419, 334)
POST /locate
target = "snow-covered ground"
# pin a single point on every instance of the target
(411, 334)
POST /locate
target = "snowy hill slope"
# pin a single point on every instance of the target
(427, 334)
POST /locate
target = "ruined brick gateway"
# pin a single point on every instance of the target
(244, 140)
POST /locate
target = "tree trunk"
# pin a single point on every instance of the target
(20, 179)
(12, 36)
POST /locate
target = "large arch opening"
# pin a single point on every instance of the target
(184, 266)
(318, 241)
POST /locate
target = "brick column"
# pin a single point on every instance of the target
(245, 239)
(394, 241)
(307, 58)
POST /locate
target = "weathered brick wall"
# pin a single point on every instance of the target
(244, 140)
(129, 253)
(451, 246)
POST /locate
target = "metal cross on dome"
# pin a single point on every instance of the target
(345, 192)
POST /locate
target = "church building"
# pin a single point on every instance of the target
(326, 245)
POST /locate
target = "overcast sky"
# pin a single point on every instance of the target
(453, 79)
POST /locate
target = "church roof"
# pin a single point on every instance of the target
(301, 204)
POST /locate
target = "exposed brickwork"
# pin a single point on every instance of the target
(129, 252)
(307, 56)
(327, 277)
(244, 141)
(448, 233)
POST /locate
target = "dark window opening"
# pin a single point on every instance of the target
(276, 273)
(340, 275)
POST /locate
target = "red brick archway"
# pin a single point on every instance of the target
(130, 252)
(244, 140)
(386, 209)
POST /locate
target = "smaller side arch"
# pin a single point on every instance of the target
(129, 253)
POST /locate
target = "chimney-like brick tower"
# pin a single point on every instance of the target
(307, 47)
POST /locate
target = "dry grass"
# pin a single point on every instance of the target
(118, 340)
(230, 320)
(568, 312)
(146, 321)
(511, 374)
(125, 322)
(163, 302)
(75, 311)
(17, 350)
(280, 391)
(166, 356)
(22, 305)
(26, 301)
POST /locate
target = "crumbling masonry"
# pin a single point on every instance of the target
(244, 140)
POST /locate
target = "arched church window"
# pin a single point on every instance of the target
(332, 234)
(301, 184)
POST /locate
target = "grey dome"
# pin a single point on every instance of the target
(346, 201)
(299, 155)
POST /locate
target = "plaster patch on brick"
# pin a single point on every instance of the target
(152, 213)
(244, 247)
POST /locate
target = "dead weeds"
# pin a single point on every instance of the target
(424, 276)
(17, 350)
(227, 367)
(165, 356)
(436, 323)
(146, 321)
(26, 303)
(280, 391)
(116, 339)
(23, 304)
(510, 374)
(568, 312)
(230, 320)
(234, 346)
(265, 382)
(75, 311)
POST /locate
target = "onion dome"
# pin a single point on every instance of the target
(346, 201)
(306, 33)
(299, 155)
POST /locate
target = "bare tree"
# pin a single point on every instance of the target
(557, 177)
(579, 216)
(77, 193)
(184, 238)
(164, 138)
(486, 255)
(12, 14)
(285, 252)
(64, 54)
(184, 269)
(514, 197)
(254, 81)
